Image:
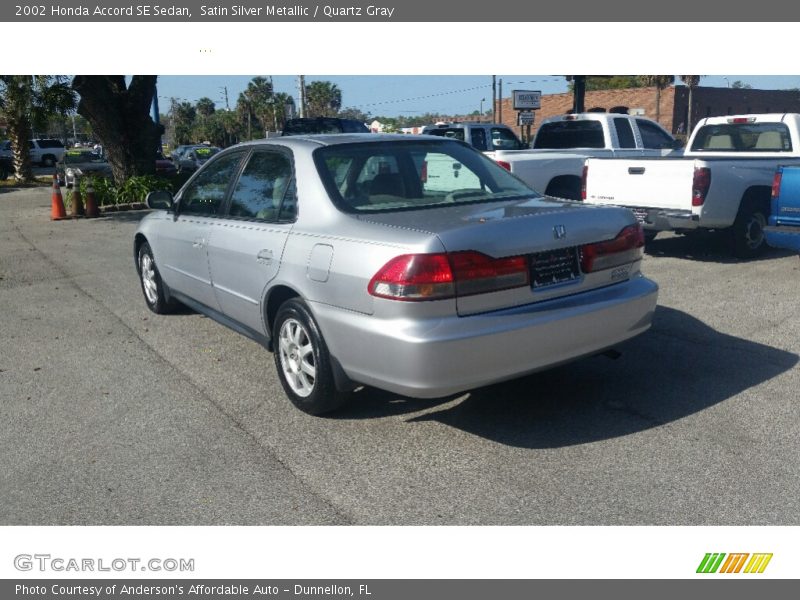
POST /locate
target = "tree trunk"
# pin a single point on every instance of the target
(19, 132)
(658, 104)
(120, 118)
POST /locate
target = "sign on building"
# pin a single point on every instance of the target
(527, 99)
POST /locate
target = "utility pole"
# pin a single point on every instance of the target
(302, 94)
(494, 98)
(225, 94)
(500, 104)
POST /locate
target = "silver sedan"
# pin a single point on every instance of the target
(415, 265)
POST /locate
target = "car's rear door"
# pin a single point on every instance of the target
(247, 244)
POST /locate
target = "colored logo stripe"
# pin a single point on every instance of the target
(758, 563)
(733, 564)
(710, 562)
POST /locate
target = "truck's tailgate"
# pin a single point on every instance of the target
(664, 183)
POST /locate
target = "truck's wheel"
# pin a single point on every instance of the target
(748, 230)
(48, 160)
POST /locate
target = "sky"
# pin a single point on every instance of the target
(409, 95)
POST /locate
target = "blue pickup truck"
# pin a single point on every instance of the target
(783, 230)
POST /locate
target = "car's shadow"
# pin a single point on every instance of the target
(704, 246)
(123, 216)
(679, 367)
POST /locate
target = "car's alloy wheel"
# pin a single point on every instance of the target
(302, 360)
(297, 357)
(152, 286)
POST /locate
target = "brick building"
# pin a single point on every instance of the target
(707, 102)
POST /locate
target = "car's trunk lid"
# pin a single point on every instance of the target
(548, 233)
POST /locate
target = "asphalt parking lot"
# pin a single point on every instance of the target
(111, 415)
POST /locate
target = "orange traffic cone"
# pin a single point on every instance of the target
(77, 202)
(57, 212)
(91, 203)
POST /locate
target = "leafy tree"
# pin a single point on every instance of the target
(120, 118)
(256, 104)
(323, 99)
(355, 114)
(612, 82)
(659, 82)
(691, 82)
(28, 101)
(741, 85)
(182, 119)
(205, 107)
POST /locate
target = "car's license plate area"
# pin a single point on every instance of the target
(640, 214)
(554, 267)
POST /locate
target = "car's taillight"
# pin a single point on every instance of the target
(584, 177)
(417, 277)
(504, 164)
(700, 184)
(627, 247)
(776, 183)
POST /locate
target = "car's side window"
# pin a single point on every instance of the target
(206, 194)
(264, 188)
(479, 139)
(652, 136)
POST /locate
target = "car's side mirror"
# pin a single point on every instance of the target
(160, 199)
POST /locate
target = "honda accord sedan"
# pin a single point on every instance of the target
(411, 264)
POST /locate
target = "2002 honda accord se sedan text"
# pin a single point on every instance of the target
(415, 265)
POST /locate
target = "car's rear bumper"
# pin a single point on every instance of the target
(783, 236)
(437, 357)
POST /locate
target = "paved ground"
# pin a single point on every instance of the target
(112, 415)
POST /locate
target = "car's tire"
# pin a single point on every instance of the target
(153, 288)
(748, 230)
(303, 361)
(48, 160)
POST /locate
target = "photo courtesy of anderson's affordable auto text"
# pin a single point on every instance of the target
(422, 321)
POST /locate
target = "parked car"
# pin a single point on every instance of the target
(554, 163)
(76, 163)
(45, 152)
(315, 125)
(6, 167)
(783, 230)
(333, 252)
(194, 158)
(723, 180)
(481, 136)
(164, 166)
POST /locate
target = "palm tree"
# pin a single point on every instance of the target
(28, 101)
(205, 107)
(323, 98)
(691, 82)
(660, 82)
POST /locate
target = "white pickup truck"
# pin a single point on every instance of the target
(554, 164)
(722, 181)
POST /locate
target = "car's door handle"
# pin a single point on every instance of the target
(198, 243)
(636, 170)
(264, 257)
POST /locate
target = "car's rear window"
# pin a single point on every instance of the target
(743, 137)
(570, 134)
(388, 176)
(50, 144)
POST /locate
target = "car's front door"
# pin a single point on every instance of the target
(247, 245)
(183, 247)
